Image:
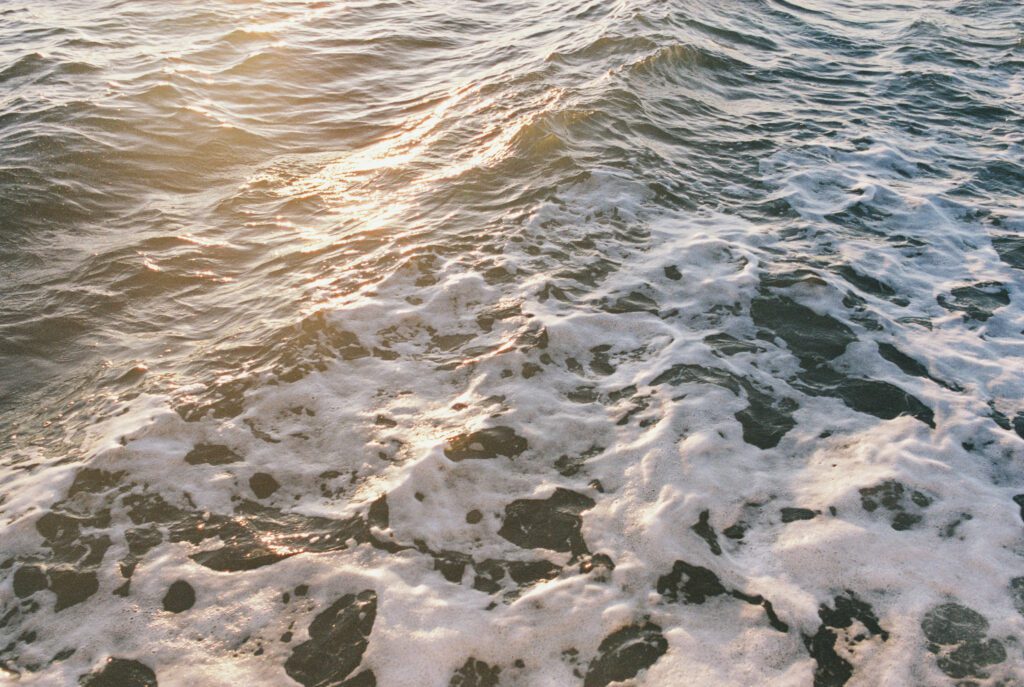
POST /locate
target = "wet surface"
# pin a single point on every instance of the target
(120, 672)
(180, 597)
(957, 635)
(625, 653)
(692, 584)
(538, 344)
(485, 443)
(845, 624)
(553, 523)
(476, 674)
(906, 507)
(338, 637)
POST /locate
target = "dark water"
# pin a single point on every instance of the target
(424, 343)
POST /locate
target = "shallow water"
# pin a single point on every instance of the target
(537, 343)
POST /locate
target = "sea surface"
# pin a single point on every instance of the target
(432, 343)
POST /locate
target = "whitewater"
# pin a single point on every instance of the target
(420, 343)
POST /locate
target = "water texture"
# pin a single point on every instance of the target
(537, 343)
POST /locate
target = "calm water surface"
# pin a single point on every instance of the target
(537, 343)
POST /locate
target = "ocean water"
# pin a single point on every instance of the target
(541, 343)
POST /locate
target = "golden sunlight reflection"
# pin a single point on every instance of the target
(366, 190)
